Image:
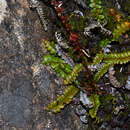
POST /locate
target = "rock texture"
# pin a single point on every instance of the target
(26, 86)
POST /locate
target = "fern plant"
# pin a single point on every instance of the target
(58, 59)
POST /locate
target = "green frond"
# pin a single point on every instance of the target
(50, 46)
(117, 58)
(110, 60)
(97, 9)
(96, 103)
(73, 75)
(61, 101)
(120, 29)
(98, 58)
(102, 71)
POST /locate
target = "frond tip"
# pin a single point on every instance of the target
(61, 101)
(50, 46)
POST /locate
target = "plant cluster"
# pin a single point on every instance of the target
(75, 47)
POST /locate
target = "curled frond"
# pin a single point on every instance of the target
(61, 101)
(36, 4)
(61, 40)
(73, 75)
(64, 55)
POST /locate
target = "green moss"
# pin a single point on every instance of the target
(77, 22)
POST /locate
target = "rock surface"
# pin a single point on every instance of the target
(26, 86)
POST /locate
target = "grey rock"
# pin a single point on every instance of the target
(15, 109)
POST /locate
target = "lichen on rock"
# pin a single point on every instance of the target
(3, 10)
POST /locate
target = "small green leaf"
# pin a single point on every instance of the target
(99, 6)
(92, 5)
(101, 16)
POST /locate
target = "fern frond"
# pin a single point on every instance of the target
(117, 58)
(97, 9)
(96, 103)
(73, 75)
(102, 71)
(120, 29)
(110, 60)
(61, 101)
(98, 58)
(50, 46)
